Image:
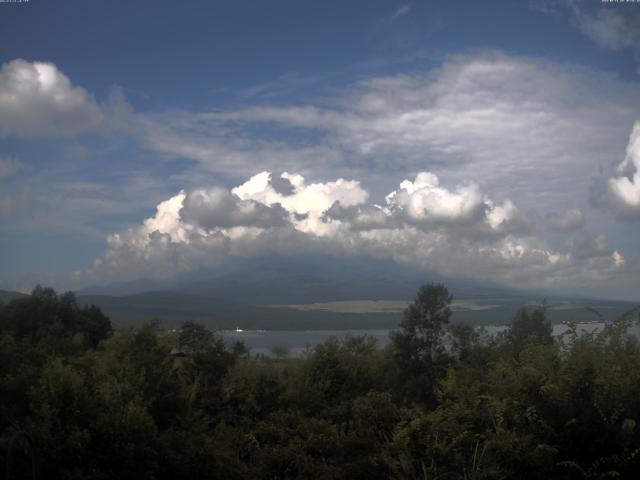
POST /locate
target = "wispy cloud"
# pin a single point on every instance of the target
(614, 26)
(9, 165)
(566, 220)
(402, 10)
(546, 7)
(497, 117)
(286, 84)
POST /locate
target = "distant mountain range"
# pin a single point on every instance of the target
(311, 293)
(6, 296)
(294, 279)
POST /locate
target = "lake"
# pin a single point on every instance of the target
(297, 341)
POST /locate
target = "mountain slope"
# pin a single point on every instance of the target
(283, 280)
(274, 292)
(7, 295)
(175, 307)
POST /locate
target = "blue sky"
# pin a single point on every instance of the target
(482, 139)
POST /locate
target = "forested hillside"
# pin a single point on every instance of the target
(80, 400)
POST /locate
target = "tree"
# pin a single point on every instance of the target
(194, 336)
(55, 322)
(418, 345)
(530, 329)
(420, 334)
(95, 325)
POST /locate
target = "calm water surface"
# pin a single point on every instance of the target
(297, 341)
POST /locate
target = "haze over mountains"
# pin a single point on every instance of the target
(279, 279)
(292, 293)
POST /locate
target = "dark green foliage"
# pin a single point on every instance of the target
(55, 322)
(418, 344)
(441, 402)
(530, 328)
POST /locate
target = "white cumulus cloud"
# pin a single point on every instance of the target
(458, 231)
(424, 200)
(625, 188)
(37, 99)
(217, 207)
(306, 203)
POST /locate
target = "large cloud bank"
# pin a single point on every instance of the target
(457, 230)
(512, 139)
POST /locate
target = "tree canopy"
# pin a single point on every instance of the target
(443, 401)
